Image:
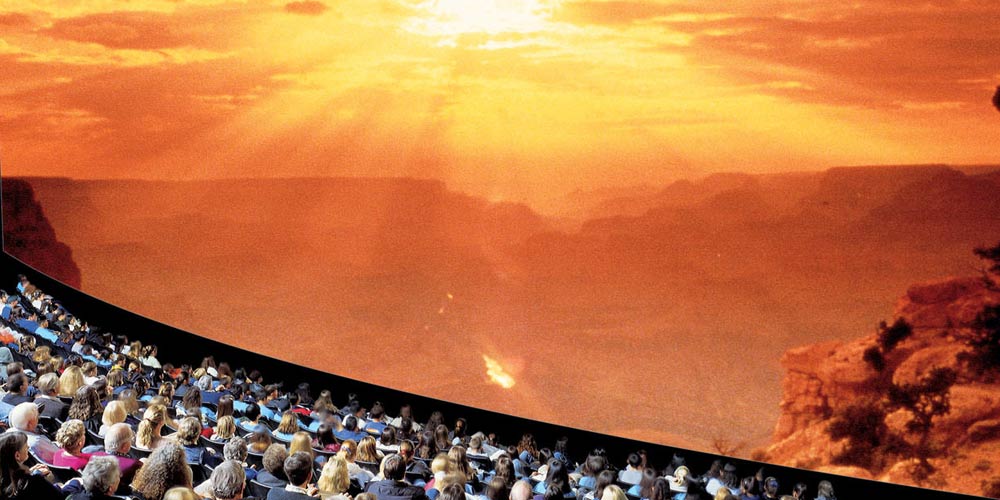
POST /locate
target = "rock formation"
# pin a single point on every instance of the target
(28, 235)
(823, 378)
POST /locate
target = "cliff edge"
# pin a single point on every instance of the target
(842, 411)
(28, 235)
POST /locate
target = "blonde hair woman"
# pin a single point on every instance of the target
(334, 481)
(181, 493)
(225, 429)
(71, 438)
(148, 435)
(301, 441)
(114, 413)
(613, 492)
(289, 425)
(367, 450)
(70, 381)
(42, 354)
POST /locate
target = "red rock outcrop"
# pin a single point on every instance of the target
(821, 378)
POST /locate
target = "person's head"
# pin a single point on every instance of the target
(289, 423)
(521, 491)
(118, 438)
(13, 454)
(301, 441)
(260, 439)
(114, 413)
(558, 475)
(426, 447)
(166, 390)
(452, 491)
(71, 381)
(42, 354)
(335, 477)
(604, 478)
(771, 486)
(680, 475)
(180, 493)
(440, 464)
(459, 462)
(497, 489)
(750, 485)
(504, 469)
(406, 450)
(228, 479)
(394, 467)
(101, 475)
(149, 428)
(188, 431)
(165, 468)
(613, 492)
(18, 383)
(191, 398)
(634, 460)
(649, 477)
(351, 423)
(24, 417)
(825, 489)
(594, 465)
(225, 428)
(349, 449)
(274, 458)
(799, 490)
(252, 413)
(298, 468)
(324, 435)
(661, 489)
(724, 494)
(224, 406)
(235, 449)
(86, 403)
(476, 443)
(367, 451)
(71, 436)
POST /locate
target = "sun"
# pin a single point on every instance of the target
(457, 17)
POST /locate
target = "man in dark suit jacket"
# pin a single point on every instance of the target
(299, 470)
(47, 401)
(273, 475)
(393, 487)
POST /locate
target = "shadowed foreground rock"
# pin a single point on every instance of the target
(28, 235)
(822, 378)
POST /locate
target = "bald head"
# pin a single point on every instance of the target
(118, 438)
(521, 491)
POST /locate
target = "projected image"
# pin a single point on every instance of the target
(739, 227)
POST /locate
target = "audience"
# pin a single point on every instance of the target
(113, 381)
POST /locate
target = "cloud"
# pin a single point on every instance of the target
(306, 7)
(15, 20)
(122, 30)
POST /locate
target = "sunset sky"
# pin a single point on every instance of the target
(509, 99)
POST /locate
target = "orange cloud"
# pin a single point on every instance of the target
(306, 7)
